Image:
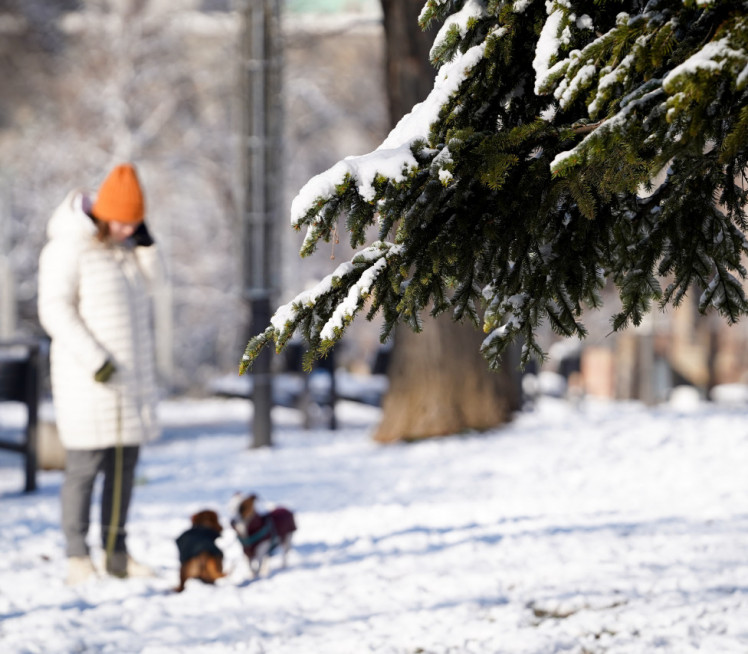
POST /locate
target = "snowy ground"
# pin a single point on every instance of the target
(607, 528)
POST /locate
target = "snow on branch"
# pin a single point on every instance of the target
(460, 22)
(353, 280)
(711, 58)
(569, 158)
(394, 157)
(348, 307)
(547, 48)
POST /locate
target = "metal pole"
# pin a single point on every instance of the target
(32, 406)
(262, 379)
(261, 70)
(7, 279)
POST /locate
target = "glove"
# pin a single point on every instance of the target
(104, 373)
(142, 237)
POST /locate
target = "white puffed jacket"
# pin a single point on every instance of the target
(95, 303)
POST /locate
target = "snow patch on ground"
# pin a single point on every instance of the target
(603, 528)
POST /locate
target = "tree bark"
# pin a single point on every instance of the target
(439, 382)
(409, 73)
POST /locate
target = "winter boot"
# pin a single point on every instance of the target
(122, 565)
(137, 569)
(80, 569)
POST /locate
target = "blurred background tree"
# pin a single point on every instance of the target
(87, 84)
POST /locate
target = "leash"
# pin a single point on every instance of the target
(117, 486)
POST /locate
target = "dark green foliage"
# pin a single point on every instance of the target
(614, 150)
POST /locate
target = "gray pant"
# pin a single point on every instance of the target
(81, 468)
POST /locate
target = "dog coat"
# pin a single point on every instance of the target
(197, 540)
(275, 526)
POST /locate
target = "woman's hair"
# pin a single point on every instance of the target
(102, 227)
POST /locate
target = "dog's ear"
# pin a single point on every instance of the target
(214, 522)
(247, 507)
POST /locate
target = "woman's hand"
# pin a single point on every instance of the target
(104, 373)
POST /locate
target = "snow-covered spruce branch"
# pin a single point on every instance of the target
(725, 293)
(528, 171)
(324, 311)
(393, 160)
(665, 98)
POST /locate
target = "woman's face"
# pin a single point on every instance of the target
(119, 232)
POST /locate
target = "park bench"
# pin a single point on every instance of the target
(19, 382)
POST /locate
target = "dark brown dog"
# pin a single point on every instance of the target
(262, 533)
(198, 553)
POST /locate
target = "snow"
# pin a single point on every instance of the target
(741, 79)
(628, 106)
(730, 394)
(520, 6)
(356, 295)
(566, 93)
(393, 159)
(428, 5)
(497, 334)
(547, 48)
(704, 60)
(603, 528)
(584, 22)
(460, 21)
(285, 314)
(608, 78)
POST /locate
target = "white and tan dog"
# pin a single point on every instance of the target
(262, 534)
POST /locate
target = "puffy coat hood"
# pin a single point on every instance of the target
(70, 220)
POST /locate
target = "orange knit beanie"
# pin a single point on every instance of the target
(120, 197)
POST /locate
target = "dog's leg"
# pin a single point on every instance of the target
(182, 580)
(255, 562)
(286, 550)
(190, 570)
(261, 557)
(213, 570)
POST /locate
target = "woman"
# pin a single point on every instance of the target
(95, 274)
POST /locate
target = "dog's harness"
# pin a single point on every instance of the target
(266, 532)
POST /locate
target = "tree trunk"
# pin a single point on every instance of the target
(409, 74)
(439, 382)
